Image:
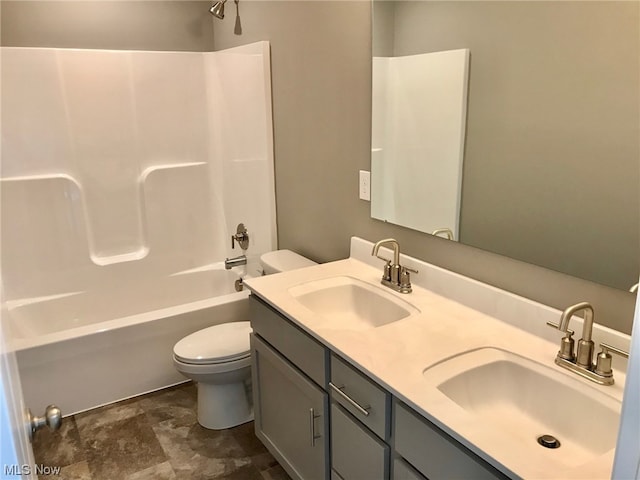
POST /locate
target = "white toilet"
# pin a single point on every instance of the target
(282, 261)
(219, 360)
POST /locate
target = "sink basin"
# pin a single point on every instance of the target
(523, 400)
(352, 303)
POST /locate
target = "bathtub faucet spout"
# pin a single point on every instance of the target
(229, 263)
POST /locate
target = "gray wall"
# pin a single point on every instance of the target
(321, 82)
(118, 25)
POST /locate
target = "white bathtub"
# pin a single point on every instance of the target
(85, 349)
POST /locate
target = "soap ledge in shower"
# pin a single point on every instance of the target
(143, 250)
(124, 257)
(149, 170)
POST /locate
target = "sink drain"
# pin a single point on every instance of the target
(548, 441)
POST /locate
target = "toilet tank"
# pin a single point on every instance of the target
(283, 260)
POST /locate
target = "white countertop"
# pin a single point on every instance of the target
(396, 354)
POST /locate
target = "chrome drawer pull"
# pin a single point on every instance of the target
(363, 410)
(312, 426)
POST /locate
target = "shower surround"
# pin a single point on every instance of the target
(123, 176)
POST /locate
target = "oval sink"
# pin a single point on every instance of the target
(524, 400)
(352, 303)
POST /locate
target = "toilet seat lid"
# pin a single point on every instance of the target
(218, 344)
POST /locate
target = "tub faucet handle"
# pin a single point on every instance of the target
(241, 236)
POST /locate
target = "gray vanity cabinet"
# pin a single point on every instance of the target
(291, 410)
(322, 418)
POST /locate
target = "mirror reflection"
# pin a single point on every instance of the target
(418, 116)
(550, 169)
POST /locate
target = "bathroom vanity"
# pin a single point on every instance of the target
(309, 401)
(352, 380)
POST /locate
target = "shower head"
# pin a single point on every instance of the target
(217, 9)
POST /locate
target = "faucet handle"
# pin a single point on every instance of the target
(241, 236)
(603, 360)
(557, 327)
(386, 275)
(608, 348)
(405, 280)
(566, 343)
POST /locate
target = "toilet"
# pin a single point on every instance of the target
(218, 358)
(282, 261)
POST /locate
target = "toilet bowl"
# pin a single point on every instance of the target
(218, 358)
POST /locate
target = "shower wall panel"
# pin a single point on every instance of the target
(242, 139)
(120, 166)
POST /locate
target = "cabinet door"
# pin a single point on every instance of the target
(290, 414)
(356, 454)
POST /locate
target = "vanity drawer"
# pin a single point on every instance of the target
(361, 397)
(356, 453)
(294, 344)
(432, 453)
(403, 471)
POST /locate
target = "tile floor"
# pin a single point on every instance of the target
(155, 437)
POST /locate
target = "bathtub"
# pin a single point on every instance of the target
(81, 350)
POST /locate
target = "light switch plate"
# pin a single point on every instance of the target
(365, 185)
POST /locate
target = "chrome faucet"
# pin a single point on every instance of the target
(582, 362)
(395, 276)
(229, 263)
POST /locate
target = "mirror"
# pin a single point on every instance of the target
(550, 169)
